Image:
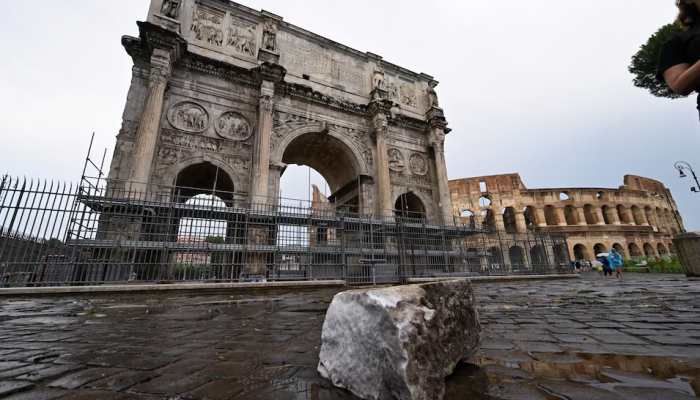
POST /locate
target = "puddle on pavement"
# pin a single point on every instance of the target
(601, 375)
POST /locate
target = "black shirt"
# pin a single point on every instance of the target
(683, 48)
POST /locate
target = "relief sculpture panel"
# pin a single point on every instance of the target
(241, 37)
(418, 164)
(304, 56)
(408, 94)
(232, 125)
(396, 161)
(189, 117)
(207, 25)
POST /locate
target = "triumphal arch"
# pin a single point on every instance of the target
(225, 96)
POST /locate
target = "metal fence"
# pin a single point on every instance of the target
(87, 234)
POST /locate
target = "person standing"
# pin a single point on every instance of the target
(606, 266)
(679, 59)
(616, 262)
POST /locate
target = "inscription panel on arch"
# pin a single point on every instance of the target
(306, 57)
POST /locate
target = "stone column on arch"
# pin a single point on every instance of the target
(147, 133)
(436, 138)
(261, 237)
(260, 173)
(378, 110)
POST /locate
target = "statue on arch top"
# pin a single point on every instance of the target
(270, 36)
(170, 8)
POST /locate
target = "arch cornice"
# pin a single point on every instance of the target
(277, 152)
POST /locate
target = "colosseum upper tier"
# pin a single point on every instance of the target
(638, 219)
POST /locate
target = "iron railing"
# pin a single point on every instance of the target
(87, 234)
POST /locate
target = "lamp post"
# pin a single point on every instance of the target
(681, 166)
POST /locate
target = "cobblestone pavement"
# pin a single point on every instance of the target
(592, 338)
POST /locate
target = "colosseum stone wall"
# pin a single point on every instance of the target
(639, 218)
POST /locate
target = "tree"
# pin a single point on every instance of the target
(214, 239)
(644, 63)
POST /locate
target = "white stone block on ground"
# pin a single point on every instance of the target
(399, 342)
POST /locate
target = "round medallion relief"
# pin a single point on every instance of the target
(396, 161)
(232, 125)
(189, 117)
(418, 164)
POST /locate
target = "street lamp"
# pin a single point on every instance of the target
(681, 166)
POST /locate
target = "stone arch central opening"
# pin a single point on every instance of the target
(334, 161)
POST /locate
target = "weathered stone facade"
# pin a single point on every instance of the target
(218, 85)
(638, 219)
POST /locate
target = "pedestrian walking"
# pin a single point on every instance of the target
(607, 270)
(616, 262)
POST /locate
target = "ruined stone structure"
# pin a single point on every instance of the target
(638, 219)
(224, 97)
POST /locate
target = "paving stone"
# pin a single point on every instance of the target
(540, 347)
(78, 379)
(641, 332)
(529, 336)
(605, 324)
(170, 384)
(121, 380)
(186, 367)
(568, 331)
(507, 355)
(620, 339)
(9, 387)
(556, 358)
(679, 332)
(674, 340)
(496, 344)
(645, 325)
(228, 370)
(514, 391)
(572, 391)
(9, 365)
(589, 348)
(575, 338)
(651, 393)
(38, 394)
(21, 371)
(48, 373)
(685, 326)
(216, 390)
(87, 394)
(145, 363)
(635, 349)
(507, 371)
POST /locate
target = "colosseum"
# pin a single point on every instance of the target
(638, 219)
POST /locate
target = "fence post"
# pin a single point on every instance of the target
(343, 256)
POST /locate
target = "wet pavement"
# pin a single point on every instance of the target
(592, 338)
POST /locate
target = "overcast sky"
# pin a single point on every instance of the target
(538, 87)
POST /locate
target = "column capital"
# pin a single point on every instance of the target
(380, 125)
(436, 140)
(267, 103)
(160, 67)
